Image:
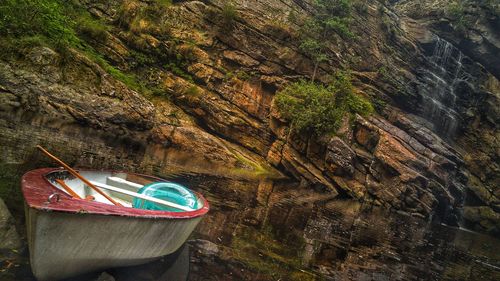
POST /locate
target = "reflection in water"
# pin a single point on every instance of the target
(281, 231)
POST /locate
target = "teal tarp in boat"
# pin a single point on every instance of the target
(167, 191)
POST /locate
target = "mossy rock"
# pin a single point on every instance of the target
(483, 217)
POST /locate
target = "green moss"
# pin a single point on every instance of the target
(92, 29)
(177, 70)
(258, 170)
(262, 251)
(379, 105)
(243, 75)
(193, 91)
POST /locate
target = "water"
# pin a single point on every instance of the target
(438, 86)
(280, 231)
(268, 229)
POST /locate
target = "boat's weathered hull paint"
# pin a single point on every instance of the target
(66, 241)
(64, 244)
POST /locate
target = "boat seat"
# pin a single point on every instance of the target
(123, 184)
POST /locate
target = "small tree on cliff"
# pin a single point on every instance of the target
(314, 108)
(330, 16)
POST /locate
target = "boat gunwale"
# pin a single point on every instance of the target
(36, 189)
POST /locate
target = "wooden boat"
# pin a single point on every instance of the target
(68, 236)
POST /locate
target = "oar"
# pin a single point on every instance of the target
(76, 174)
(68, 189)
(73, 193)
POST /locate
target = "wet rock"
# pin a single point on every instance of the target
(477, 39)
(9, 239)
(105, 277)
(205, 247)
(483, 218)
(301, 168)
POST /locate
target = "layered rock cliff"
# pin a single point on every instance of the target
(208, 74)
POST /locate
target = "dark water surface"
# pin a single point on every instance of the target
(281, 230)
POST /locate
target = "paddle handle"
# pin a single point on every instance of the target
(76, 174)
(68, 189)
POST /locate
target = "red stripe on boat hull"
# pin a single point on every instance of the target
(36, 190)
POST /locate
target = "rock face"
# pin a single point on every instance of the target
(430, 152)
(80, 91)
(470, 25)
(431, 148)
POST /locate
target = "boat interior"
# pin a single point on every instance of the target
(121, 187)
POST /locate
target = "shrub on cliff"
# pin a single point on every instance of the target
(330, 16)
(61, 25)
(229, 13)
(312, 107)
(457, 13)
(21, 18)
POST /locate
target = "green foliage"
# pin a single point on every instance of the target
(457, 13)
(92, 29)
(62, 25)
(193, 91)
(361, 6)
(142, 59)
(315, 49)
(388, 27)
(243, 75)
(331, 16)
(492, 7)
(379, 105)
(240, 74)
(20, 18)
(177, 70)
(339, 25)
(311, 107)
(229, 13)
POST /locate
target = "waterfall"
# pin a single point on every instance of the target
(437, 88)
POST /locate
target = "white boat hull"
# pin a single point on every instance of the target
(63, 245)
(70, 236)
